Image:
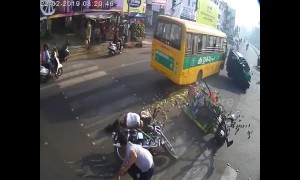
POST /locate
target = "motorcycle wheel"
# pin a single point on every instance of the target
(120, 155)
(59, 72)
(219, 140)
(245, 86)
(43, 79)
(167, 146)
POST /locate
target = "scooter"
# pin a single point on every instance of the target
(59, 68)
(112, 49)
(44, 74)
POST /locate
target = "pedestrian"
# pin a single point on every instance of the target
(138, 160)
(45, 58)
(88, 33)
(118, 40)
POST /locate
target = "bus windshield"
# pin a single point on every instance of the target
(168, 33)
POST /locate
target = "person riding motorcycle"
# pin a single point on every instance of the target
(117, 40)
(223, 132)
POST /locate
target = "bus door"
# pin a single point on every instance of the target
(190, 52)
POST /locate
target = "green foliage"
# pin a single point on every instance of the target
(139, 31)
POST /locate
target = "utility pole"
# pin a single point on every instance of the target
(128, 19)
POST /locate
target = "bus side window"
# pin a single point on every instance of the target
(188, 44)
(195, 44)
(204, 39)
(199, 44)
(218, 46)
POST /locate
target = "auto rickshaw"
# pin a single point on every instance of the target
(238, 69)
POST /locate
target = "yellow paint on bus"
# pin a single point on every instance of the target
(182, 49)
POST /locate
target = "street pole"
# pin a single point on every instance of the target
(128, 19)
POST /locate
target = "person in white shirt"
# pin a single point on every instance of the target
(138, 160)
(129, 120)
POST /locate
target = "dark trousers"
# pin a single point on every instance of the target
(48, 66)
(134, 170)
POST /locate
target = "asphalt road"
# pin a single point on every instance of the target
(75, 108)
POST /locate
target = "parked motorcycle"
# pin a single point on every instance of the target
(238, 69)
(63, 54)
(151, 137)
(113, 49)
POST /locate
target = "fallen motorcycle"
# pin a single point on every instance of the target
(151, 137)
(225, 123)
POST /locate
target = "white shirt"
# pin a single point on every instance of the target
(144, 159)
(132, 120)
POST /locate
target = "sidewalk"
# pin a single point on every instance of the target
(77, 48)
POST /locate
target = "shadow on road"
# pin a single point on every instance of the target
(223, 82)
(56, 110)
(256, 68)
(100, 166)
(106, 166)
(202, 167)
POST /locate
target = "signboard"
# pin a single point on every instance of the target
(54, 7)
(207, 13)
(137, 6)
(161, 2)
(164, 59)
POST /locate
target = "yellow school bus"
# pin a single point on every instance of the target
(186, 51)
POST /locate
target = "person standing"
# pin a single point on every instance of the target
(138, 160)
(45, 58)
(88, 33)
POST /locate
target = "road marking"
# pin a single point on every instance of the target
(124, 65)
(73, 73)
(81, 79)
(229, 174)
(70, 74)
(76, 66)
(78, 72)
(48, 86)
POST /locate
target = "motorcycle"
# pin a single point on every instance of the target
(44, 74)
(63, 54)
(150, 137)
(238, 69)
(56, 63)
(112, 49)
(225, 122)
